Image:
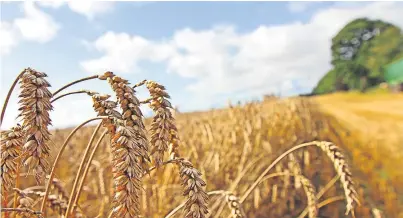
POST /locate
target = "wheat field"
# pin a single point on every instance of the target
(328, 156)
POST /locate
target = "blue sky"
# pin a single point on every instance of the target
(205, 53)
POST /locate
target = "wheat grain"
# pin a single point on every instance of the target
(10, 147)
(35, 106)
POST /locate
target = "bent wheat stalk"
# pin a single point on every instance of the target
(87, 167)
(74, 82)
(10, 91)
(72, 93)
(80, 168)
(339, 163)
(51, 175)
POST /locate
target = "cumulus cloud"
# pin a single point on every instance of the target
(8, 37)
(224, 61)
(90, 9)
(35, 25)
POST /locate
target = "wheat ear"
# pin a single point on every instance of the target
(197, 198)
(126, 149)
(234, 205)
(340, 164)
(35, 106)
(163, 129)
(11, 144)
(131, 113)
(311, 196)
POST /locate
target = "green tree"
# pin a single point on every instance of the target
(359, 52)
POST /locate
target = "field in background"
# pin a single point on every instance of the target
(231, 147)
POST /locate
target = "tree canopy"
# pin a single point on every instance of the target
(360, 51)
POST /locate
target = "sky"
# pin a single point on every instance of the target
(204, 53)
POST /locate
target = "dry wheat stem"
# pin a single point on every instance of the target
(87, 167)
(243, 173)
(51, 175)
(327, 186)
(22, 210)
(35, 107)
(309, 189)
(74, 82)
(322, 192)
(10, 91)
(258, 180)
(72, 199)
(72, 93)
(323, 203)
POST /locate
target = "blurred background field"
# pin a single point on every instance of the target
(232, 146)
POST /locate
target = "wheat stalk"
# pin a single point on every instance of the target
(22, 211)
(10, 91)
(35, 106)
(339, 162)
(52, 172)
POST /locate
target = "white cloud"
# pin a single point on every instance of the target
(90, 9)
(35, 26)
(297, 7)
(8, 38)
(224, 61)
